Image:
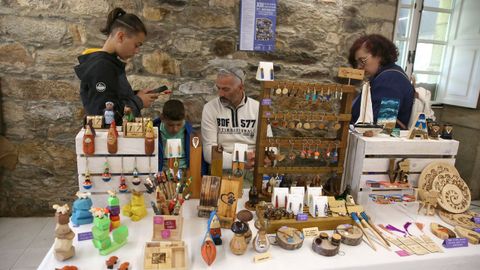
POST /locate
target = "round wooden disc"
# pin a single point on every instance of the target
(442, 179)
(351, 235)
(463, 219)
(455, 198)
(245, 215)
(289, 238)
(431, 171)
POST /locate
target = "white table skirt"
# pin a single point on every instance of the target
(358, 257)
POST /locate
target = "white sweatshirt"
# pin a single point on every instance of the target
(231, 125)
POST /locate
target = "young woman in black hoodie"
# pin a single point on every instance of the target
(102, 71)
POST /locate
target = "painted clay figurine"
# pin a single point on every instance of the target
(114, 209)
(215, 228)
(62, 247)
(67, 267)
(124, 266)
(108, 113)
(428, 200)
(111, 262)
(87, 183)
(106, 175)
(135, 209)
(149, 139)
(101, 232)
(88, 140)
(81, 209)
(112, 139)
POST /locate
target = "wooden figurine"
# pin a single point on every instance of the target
(88, 140)
(68, 267)
(214, 228)
(260, 243)
(112, 139)
(135, 209)
(238, 244)
(124, 266)
(325, 247)
(441, 232)
(447, 133)
(62, 247)
(428, 200)
(111, 262)
(81, 209)
(149, 139)
(419, 130)
(209, 251)
(114, 209)
(246, 216)
(101, 232)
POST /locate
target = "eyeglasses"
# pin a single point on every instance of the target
(237, 72)
(361, 61)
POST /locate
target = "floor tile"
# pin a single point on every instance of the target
(18, 233)
(8, 257)
(46, 237)
(32, 257)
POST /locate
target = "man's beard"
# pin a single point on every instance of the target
(225, 101)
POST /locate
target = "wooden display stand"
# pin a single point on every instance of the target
(209, 193)
(165, 255)
(369, 158)
(129, 149)
(227, 202)
(195, 166)
(268, 110)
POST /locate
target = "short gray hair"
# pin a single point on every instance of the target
(236, 72)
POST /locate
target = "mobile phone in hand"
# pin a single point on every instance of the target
(160, 89)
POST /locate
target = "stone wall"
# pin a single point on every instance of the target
(187, 41)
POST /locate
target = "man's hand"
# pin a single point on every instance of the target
(147, 97)
(250, 161)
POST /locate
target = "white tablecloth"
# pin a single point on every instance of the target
(358, 257)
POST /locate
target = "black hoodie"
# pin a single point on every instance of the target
(103, 79)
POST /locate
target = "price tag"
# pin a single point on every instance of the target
(262, 257)
(455, 242)
(311, 232)
(302, 217)
(351, 73)
(85, 236)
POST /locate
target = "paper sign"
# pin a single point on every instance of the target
(302, 217)
(351, 73)
(402, 253)
(455, 242)
(170, 224)
(267, 102)
(477, 230)
(262, 257)
(311, 232)
(173, 148)
(85, 236)
(476, 220)
(258, 20)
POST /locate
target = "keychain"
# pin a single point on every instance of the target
(87, 184)
(123, 186)
(136, 180)
(106, 175)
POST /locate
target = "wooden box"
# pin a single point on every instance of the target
(322, 223)
(167, 227)
(368, 158)
(165, 255)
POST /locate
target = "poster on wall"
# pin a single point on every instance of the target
(257, 25)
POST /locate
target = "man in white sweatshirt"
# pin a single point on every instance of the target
(230, 118)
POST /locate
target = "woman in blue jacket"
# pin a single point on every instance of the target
(377, 55)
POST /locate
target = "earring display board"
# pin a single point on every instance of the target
(130, 161)
(310, 124)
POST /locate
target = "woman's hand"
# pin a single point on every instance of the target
(147, 97)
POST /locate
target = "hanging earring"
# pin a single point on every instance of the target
(106, 175)
(87, 183)
(136, 180)
(123, 186)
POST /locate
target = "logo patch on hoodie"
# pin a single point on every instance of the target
(101, 87)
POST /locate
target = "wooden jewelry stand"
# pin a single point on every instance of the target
(266, 114)
(340, 119)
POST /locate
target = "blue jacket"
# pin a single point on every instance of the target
(392, 83)
(188, 135)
